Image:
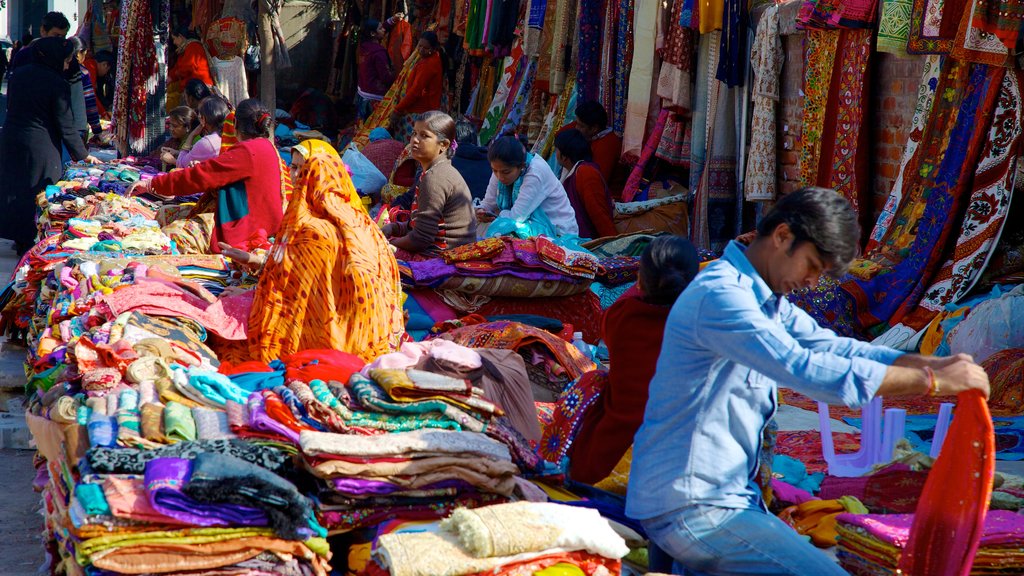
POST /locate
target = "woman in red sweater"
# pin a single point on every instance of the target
(584, 185)
(633, 330)
(248, 178)
(423, 87)
(192, 62)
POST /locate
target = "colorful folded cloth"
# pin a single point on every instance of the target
(178, 422)
(165, 480)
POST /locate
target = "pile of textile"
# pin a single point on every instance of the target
(871, 544)
(416, 434)
(517, 538)
(537, 276)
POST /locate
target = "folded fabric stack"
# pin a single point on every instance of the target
(517, 538)
(506, 267)
(871, 544)
(208, 505)
(551, 362)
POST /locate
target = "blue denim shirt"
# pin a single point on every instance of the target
(729, 341)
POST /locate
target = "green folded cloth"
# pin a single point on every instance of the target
(92, 499)
(179, 425)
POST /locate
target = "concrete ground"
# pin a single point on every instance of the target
(21, 551)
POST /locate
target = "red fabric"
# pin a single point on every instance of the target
(951, 513)
(383, 154)
(192, 63)
(424, 89)
(229, 369)
(325, 365)
(633, 331)
(582, 310)
(597, 202)
(400, 43)
(253, 163)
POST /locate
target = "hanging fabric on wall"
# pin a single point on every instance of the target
(502, 30)
(933, 25)
(884, 285)
(641, 75)
(675, 78)
(137, 76)
(624, 58)
(709, 16)
(588, 63)
(894, 26)
(516, 108)
(922, 110)
(732, 61)
(533, 34)
(609, 55)
(635, 180)
(564, 27)
(988, 33)
(231, 80)
(845, 147)
(511, 75)
(819, 59)
(561, 114)
(987, 208)
(766, 59)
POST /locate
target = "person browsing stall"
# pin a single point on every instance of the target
(586, 189)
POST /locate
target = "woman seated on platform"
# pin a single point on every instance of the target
(633, 330)
(249, 179)
(442, 213)
(586, 188)
(524, 197)
(330, 281)
(212, 113)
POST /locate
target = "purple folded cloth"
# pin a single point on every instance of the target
(432, 273)
(1002, 527)
(363, 487)
(165, 478)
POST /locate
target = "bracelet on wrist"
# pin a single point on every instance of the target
(933, 382)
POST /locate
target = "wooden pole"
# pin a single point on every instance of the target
(268, 65)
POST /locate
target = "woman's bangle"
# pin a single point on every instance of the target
(933, 382)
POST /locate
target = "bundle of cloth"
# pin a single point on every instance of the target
(871, 544)
(220, 505)
(515, 538)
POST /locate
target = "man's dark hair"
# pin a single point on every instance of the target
(55, 20)
(592, 113)
(574, 146)
(822, 217)
(106, 56)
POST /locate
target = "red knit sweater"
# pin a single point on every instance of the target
(247, 180)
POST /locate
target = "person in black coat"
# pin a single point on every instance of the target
(39, 119)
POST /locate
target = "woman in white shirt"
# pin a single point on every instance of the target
(524, 197)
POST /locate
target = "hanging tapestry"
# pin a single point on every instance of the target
(641, 75)
(844, 163)
(532, 36)
(895, 273)
(977, 39)
(706, 100)
(588, 64)
(819, 56)
(732, 63)
(894, 26)
(934, 25)
(987, 209)
(137, 76)
(624, 58)
(609, 57)
(564, 26)
(922, 111)
(766, 58)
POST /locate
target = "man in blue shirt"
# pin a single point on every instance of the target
(730, 339)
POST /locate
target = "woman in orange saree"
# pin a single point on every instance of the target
(331, 280)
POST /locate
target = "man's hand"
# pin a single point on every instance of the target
(90, 159)
(960, 373)
(140, 187)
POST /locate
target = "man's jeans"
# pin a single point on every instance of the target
(706, 540)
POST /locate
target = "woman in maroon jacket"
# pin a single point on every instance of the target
(375, 74)
(633, 330)
(248, 179)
